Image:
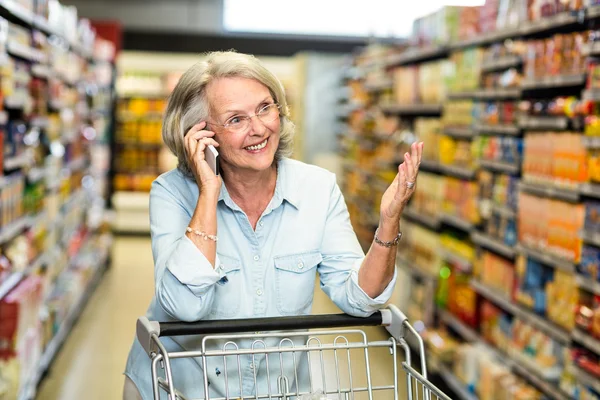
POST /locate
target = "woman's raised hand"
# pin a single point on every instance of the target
(196, 140)
(402, 188)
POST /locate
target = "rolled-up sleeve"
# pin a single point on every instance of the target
(342, 258)
(184, 277)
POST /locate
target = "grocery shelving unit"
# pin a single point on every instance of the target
(59, 209)
(474, 232)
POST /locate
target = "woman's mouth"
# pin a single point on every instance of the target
(258, 147)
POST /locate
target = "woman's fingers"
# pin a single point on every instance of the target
(410, 169)
(419, 153)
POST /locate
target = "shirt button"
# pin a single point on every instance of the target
(259, 292)
(252, 366)
(256, 258)
(300, 265)
(261, 223)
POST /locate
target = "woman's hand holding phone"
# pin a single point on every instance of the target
(196, 141)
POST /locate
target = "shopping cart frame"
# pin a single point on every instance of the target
(395, 322)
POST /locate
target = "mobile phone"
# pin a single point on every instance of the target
(211, 155)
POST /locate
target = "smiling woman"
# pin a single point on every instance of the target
(248, 243)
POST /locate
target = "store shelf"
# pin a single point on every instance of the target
(16, 277)
(459, 132)
(587, 340)
(413, 55)
(29, 390)
(549, 328)
(457, 222)
(589, 284)
(548, 25)
(552, 82)
(458, 172)
(466, 332)
(378, 86)
(544, 123)
(591, 142)
(26, 52)
(504, 211)
(591, 49)
(587, 379)
(549, 191)
(20, 161)
(464, 264)
(462, 95)
(413, 270)
(501, 63)
(10, 231)
(425, 220)
(591, 237)
(590, 190)
(541, 383)
(546, 258)
(430, 166)
(487, 38)
(591, 95)
(509, 130)
(498, 94)
(500, 166)
(9, 283)
(412, 109)
(458, 388)
(490, 243)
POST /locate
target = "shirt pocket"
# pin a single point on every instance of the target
(295, 281)
(226, 302)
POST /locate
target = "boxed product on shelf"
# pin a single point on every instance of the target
(459, 244)
(497, 112)
(421, 248)
(420, 84)
(552, 226)
(590, 261)
(467, 70)
(11, 199)
(560, 54)
(554, 158)
(428, 130)
(537, 351)
(427, 199)
(458, 113)
(587, 361)
(456, 152)
(460, 199)
(587, 317)
(20, 337)
(507, 150)
(495, 272)
(511, 14)
(438, 28)
(546, 9)
(462, 299)
(498, 190)
(547, 291)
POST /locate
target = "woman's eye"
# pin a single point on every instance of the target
(264, 109)
(234, 120)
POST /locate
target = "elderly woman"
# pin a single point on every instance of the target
(249, 242)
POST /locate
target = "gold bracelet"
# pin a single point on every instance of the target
(205, 235)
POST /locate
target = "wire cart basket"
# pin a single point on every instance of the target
(296, 363)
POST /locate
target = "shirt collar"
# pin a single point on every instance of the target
(285, 189)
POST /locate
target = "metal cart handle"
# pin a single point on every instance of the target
(390, 317)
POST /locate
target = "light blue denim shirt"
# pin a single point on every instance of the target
(266, 272)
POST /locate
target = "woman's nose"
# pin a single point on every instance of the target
(257, 127)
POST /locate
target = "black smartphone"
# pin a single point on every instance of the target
(211, 155)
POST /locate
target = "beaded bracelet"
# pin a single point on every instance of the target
(205, 235)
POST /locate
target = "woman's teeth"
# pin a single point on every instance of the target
(258, 146)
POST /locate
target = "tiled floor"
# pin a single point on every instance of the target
(90, 364)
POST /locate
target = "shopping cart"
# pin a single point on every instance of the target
(326, 374)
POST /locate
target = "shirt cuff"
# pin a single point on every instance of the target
(189, 265)
(362, 300)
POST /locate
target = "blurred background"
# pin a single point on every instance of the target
(499, 264)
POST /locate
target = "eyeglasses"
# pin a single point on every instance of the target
(240, 123)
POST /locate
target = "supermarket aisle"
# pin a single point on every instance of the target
(90, 363)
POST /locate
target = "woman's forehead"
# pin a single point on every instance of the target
(234, 93)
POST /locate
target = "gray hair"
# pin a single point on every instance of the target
(188, 104)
